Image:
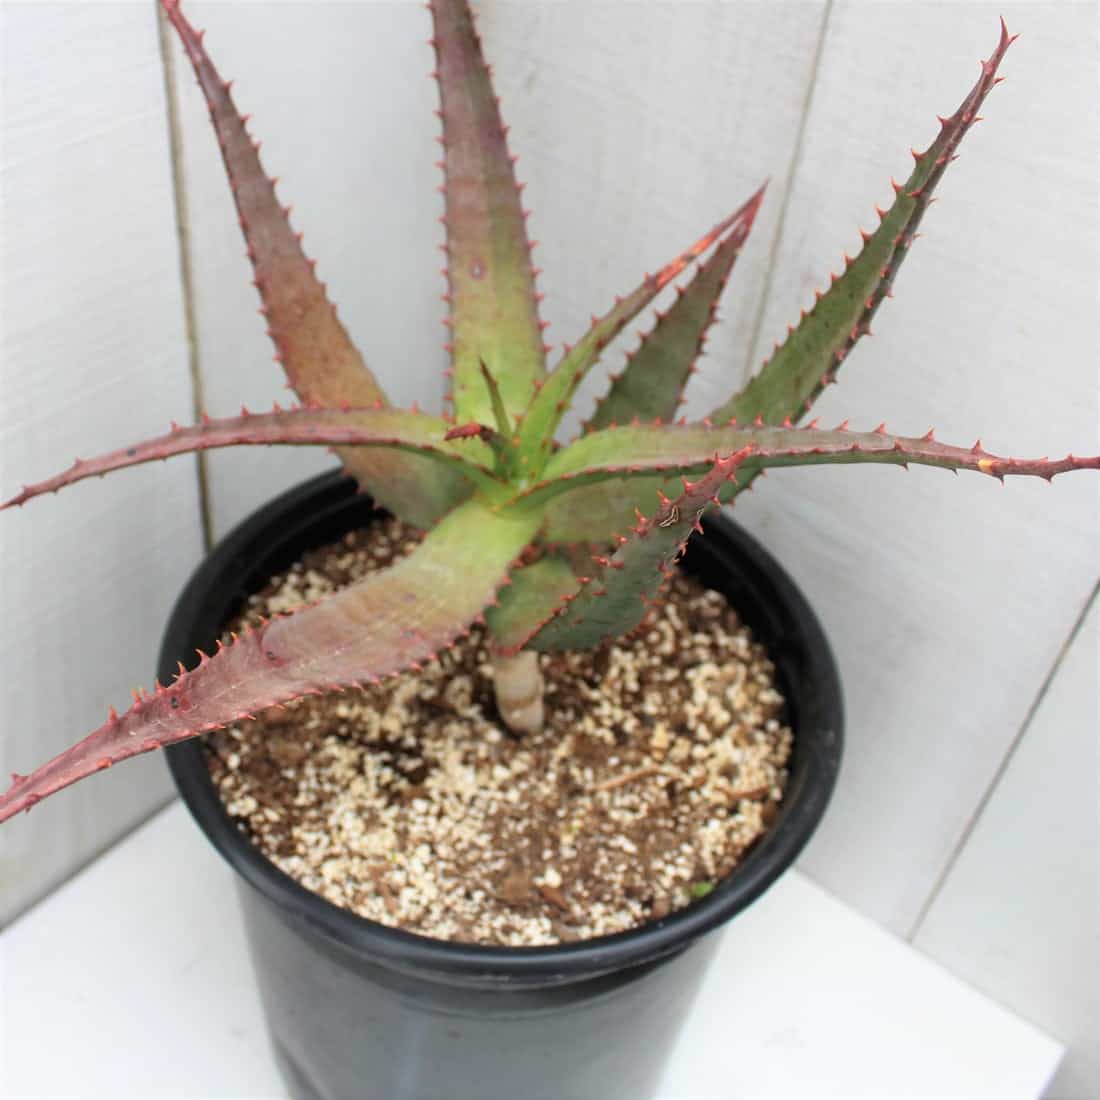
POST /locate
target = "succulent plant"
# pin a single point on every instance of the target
(551, 546)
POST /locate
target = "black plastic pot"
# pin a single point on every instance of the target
(359, 1011)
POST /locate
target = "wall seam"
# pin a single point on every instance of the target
(788, 191)
(1002, 767)
(183, 237)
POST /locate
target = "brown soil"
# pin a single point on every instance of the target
(661, 763)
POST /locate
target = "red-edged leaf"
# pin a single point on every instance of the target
(536, 591)
(549, 404)
(788, 384)
(388, 622)
(453, 466)
(494, 309)
(643, 451)
(652, 384)
(320, 361)
(615, 598)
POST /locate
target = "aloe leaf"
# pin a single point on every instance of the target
(453, 466)
(388, 622)
(496, 402)
(619, 454)
(617, 595)
(788, 384)
(532, 596)
(494, 306)
(503, 441)
(587, 512)
(548, 405)
(652, 384)
(321, 363)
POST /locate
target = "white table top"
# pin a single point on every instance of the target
(133, 980)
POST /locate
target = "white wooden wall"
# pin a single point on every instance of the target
(951, 603)
(93, 353)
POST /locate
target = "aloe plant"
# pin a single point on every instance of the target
(508, 512)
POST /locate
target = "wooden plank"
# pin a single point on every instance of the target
(1019, 914)
(637, 127)
(946, 601)
(93, 355)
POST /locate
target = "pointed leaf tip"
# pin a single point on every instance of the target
(798, 370)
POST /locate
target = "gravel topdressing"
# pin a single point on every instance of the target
(662, 760)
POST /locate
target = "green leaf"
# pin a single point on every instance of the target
(652, 384)
(639, 451)
(494, 307)
(790, 381)
(445, 471)
(389, 621)
(587, 513)
(503, 441)
(534, 593)
(808, 360)
(617, 595)
(320, 361)
(545, 412)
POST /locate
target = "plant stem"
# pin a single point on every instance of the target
(518, 684)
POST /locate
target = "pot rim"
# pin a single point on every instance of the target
(818, 732)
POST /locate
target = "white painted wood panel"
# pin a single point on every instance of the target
(947, 599)
(632, 136)
(93, 356)
(1019, 914)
